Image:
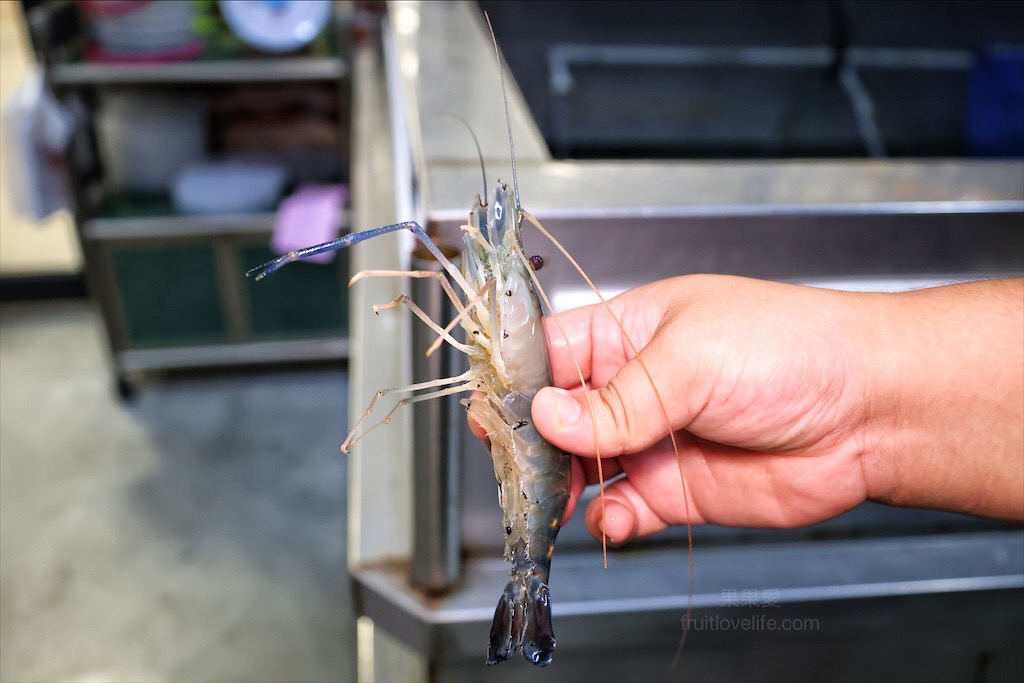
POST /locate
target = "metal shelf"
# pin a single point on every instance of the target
(162, 227)
(647, 587)
(170, 286)
(177, 226)
(201, 71)
(240, 353)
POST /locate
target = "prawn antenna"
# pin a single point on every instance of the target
(479, 151)
(664, 411)
(508, 117)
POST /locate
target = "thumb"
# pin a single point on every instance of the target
(626, 413)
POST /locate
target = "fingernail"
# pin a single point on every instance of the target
(618, 523)
(566, 407)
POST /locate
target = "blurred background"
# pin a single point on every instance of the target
(194, 530)
(174, 505)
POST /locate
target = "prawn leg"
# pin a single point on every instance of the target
(436, 274)
(463, 317)
(444, 334)
(464, 309)
(352, 438)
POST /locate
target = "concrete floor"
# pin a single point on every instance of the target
(197, 534)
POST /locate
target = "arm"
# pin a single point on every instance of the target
(946, 416)
(793, 404)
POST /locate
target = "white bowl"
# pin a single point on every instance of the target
(230, 186)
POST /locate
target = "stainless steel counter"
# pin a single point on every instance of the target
(843, 223)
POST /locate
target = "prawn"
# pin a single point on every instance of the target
(508, 366)
(500, 311)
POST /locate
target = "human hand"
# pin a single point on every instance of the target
(790, 405)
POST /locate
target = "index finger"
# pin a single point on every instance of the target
(570, 343)
(590, 337)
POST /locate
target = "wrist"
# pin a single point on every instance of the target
(872, 390)
(944, 400)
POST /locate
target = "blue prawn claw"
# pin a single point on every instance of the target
(270, 267)
(348, 240)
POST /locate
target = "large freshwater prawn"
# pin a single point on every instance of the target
(499, 309)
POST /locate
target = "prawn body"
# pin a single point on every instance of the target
(496, 294)
(511, 364)
(507, 350)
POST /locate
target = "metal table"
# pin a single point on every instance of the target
(895, 593)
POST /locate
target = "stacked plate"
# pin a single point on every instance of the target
(276, 25)
(141, 29)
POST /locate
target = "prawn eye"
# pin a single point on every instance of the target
(537, 261)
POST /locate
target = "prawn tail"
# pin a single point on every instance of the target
(522, 620)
